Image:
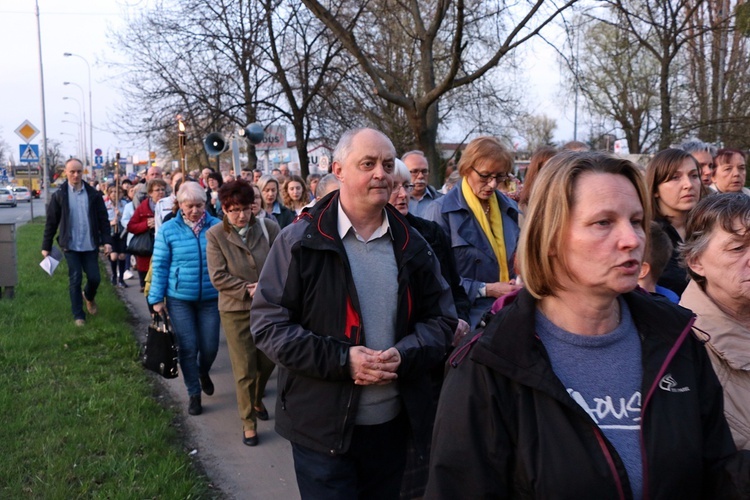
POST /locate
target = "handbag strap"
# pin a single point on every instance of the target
(161, 321)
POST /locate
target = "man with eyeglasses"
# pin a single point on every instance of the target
(422, 194)
(704, 154)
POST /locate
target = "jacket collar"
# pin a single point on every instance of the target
(725, 336)
(455, 201)
(511, 347)
(322, 227)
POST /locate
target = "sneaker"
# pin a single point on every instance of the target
(122, 284)
(195, 408)
(90, 305)
(207, 384)
(127, 275)
(80, 322)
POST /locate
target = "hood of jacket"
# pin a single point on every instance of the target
(727, 337)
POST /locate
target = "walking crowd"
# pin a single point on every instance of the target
(583, 334)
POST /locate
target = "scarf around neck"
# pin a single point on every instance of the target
(491, 224)
(195, 226)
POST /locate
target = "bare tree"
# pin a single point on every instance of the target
(719, 97)
(446, 45)
(537, 130)
(4, 150)
(304, 63)
(662, 28)
(198, 60)
(619, 80)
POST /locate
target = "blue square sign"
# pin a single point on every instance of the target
(29, 153)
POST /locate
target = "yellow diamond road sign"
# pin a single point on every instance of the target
(27, 131)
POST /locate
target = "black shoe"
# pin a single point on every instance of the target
(262, 414)
(122, 284)
(195, 407)
(206, 384)
(113, 280)
(250, 441)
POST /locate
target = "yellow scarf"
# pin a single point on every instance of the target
(491, 227)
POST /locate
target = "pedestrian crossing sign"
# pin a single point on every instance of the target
(29, 153)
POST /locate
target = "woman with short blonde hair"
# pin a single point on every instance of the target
(482, 223)
(582, 386)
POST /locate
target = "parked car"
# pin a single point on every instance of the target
(22, 193)
(7, 197)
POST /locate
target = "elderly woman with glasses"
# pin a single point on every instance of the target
(237, 250)
(482, 224)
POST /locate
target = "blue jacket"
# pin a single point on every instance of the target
(178, 265)
(475, 260)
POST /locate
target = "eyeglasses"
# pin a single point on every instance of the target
(406, 186)
(486, 178)
(418, 171)
(237, 211)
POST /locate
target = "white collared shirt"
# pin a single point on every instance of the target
(344, 224)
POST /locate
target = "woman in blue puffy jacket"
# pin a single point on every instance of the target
(180, 274)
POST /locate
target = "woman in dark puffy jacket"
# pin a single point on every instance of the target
(180, 275)
(582, 386)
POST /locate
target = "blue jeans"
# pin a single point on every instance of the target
(372, 468)
(196, 327)
(79, 263)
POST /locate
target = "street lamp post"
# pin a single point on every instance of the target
(83, 128)
(74, 136)
(78, 128)
(83, 111)
(91, 110)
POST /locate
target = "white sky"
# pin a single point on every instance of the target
(80, 27)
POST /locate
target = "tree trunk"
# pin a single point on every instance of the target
(424, 124)
(301, 144)
(665, 99)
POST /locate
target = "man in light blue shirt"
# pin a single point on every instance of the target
(79, 212)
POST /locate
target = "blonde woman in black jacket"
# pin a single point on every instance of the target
(581, 387)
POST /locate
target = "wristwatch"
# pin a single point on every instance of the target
(483, 290)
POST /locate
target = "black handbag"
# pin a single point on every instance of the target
(141, 244)
(160, 351)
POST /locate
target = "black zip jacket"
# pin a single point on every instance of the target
(507, 428)
(58, 215)
(306, 315)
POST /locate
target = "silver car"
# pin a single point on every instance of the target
(22, 193)
(7, 197)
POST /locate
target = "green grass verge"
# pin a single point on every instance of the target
(78, 415)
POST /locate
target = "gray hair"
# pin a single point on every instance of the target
(412, 152)
(191, 192)
(327, 184)
(721, 211)
(696, 146)
(344, 146)
(401, 172)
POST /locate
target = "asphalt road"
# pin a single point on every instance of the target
(21, 213)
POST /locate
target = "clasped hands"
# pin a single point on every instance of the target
(371, 367)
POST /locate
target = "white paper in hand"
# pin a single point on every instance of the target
(51, 261)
